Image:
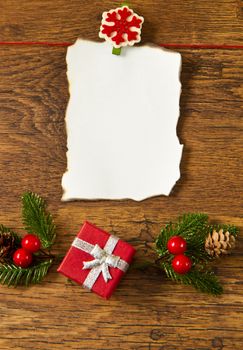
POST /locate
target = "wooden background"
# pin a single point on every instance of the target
(147, 311)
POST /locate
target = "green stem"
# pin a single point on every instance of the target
(59, 256)
(147, 245)
(52, 256)
(116, 51)
(49, 255)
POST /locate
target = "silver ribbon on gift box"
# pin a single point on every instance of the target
(103, 259)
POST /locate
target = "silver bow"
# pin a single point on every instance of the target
(103, 259)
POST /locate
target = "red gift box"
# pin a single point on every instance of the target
(97, 260)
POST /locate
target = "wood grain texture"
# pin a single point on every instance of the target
(147, 312)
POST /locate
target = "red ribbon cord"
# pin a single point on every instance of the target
(169, 45)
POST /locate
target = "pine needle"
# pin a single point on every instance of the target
(233, 230)
(12, 275)
(194, 228)
(37, 220)
(204, 281)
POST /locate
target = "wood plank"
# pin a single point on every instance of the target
(147, 312)
(190, 21)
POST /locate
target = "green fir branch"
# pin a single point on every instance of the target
(193, 228)
(12, 275)
(204, 281)
(37, 220)
(162, 239)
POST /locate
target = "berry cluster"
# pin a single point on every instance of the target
(181, 263)
(23, 257)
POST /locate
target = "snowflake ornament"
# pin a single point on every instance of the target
(121, 27)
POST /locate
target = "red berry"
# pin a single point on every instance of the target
(31, 243)
(176, 245)
(22, 257)
(181, 264)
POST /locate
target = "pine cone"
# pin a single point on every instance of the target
(218, 243)
(6, 245)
